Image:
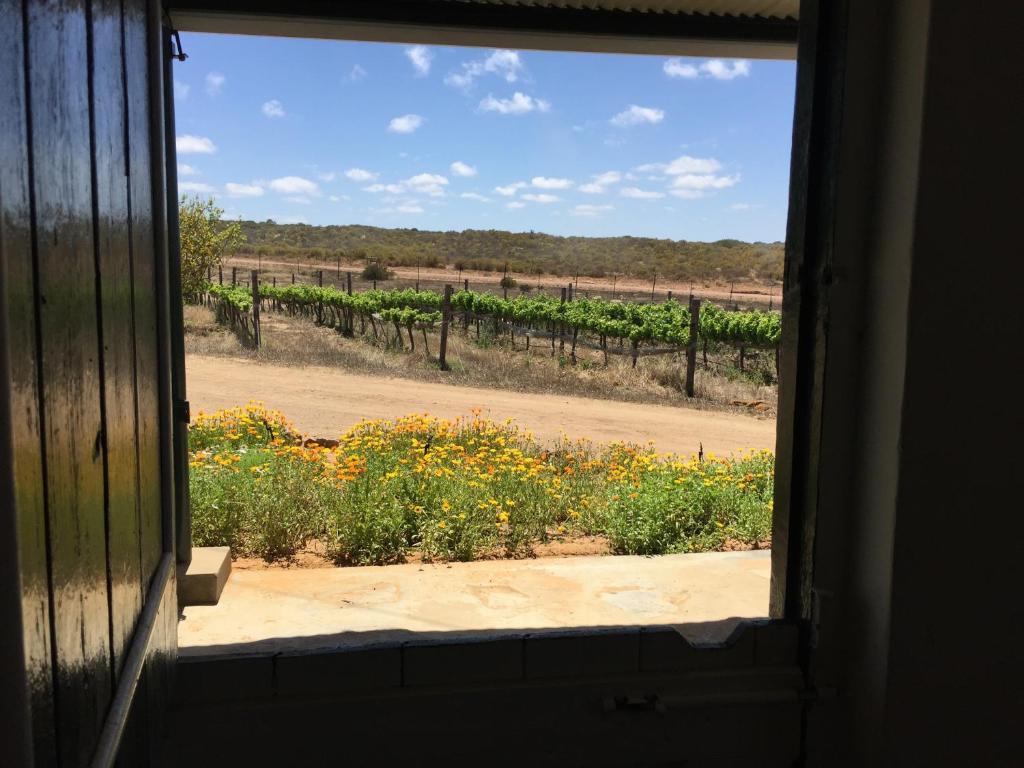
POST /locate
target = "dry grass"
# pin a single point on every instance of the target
(295, 341)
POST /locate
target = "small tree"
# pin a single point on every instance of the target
(205, 241)
(507, 281)
(376, 271)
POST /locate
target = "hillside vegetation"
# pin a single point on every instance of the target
(521, 252)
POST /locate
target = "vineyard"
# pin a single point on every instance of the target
(612, 327)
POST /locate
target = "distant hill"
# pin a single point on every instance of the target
(523, 252)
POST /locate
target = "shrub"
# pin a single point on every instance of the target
(507, 281)
(458, 490)
(367, 526)
(376, 271)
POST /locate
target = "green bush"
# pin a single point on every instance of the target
(458, 490)
(377, 271)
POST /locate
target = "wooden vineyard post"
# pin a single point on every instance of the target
(465, 285)
(293, 278)
(257, 335)
(446, 317)
(220, 274)
(234, 275)
(350, 320)
(691, 346)
(561, 328)
(320, 278)
(320, 304)
(669, 296)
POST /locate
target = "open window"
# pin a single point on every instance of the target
(439, 323)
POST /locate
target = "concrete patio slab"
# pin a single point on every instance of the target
(307, 609)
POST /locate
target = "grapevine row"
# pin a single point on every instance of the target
(667, 322)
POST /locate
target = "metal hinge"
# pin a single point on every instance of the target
(182, 411)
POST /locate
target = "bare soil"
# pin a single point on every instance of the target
(297, 342)
(324, 402)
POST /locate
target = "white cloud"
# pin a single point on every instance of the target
(427, 184)
(273, 108)
(687, 194)
(294, 185)
(243, 190)
(543, 182)
(510, 189)
(704, 181)
(542, 198)
(641, 194)
(420, 56)
(187, 170)
(608, 177)
(302, 199)
(726, 70)
(194, 145)
(195, 186)
(181, 90)
(681, 165)
(519, 104)
(360, 174)
(327, 176)
(515, 204)
(590, 210)
(679, 68)
(636, 115)
(215, 83)
(475, 196)
(405, 124)
(357, 73)
(460, 168)
(717, 69)
(687, 164)
(431, 184)
(600, 182)
(506, 64)
(409, 208)
(741, 206)
(393, 189)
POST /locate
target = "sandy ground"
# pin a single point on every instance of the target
(263, 611)
(324, 402)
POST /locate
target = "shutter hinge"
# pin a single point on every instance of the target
(182, 411)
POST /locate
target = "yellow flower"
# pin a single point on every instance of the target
(442, 524)
(445, 506)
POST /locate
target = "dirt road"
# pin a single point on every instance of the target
(325, 401)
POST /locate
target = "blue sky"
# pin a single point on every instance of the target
(328, 132)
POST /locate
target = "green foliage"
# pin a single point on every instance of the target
(377, 271)
(234, 296)
(522, 252)
(665, 323)
(507, 281)
(458, 490)
(205, 241)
